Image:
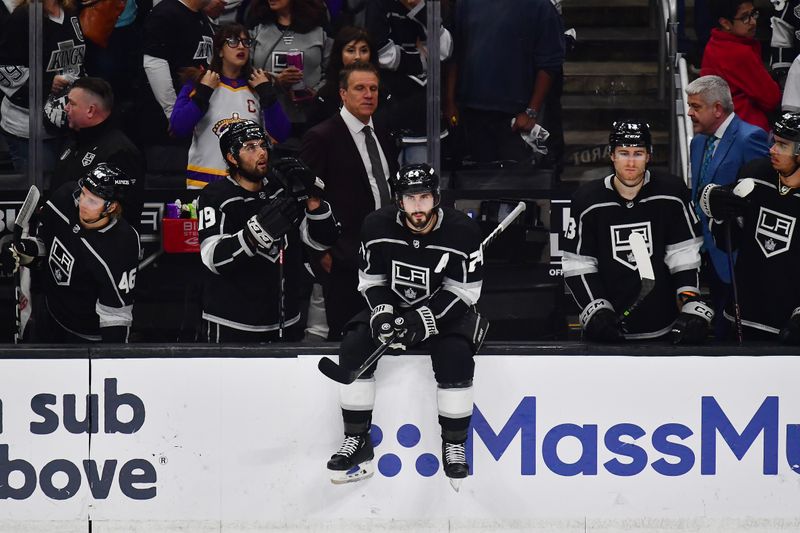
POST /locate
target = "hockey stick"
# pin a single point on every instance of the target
(645, 268)
(21, 228)
(281, 308)
(742, 189)
(341, 375)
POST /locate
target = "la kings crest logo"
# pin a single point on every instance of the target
(410, 282)
(774, 231)
(621, 244)
(67, 59)
(61, 263)
(205, 48)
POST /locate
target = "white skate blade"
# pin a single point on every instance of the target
(744, 187)
(357, 473)
(455, 483)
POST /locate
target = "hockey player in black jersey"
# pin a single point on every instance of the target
(252, 226)
(764, 232)
(421, 263)
(89, 255)
(599, 267)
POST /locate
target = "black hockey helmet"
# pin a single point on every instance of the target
(414, 179)
(630, 133)
(234, 132)
(107, 182)
(788, 126)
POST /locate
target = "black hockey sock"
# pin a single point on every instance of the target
(454, 429)
(356, 422)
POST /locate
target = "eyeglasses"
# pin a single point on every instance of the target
(233, 42)
(747, 17)
(255, 145)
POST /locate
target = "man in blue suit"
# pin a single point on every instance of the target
(722, 144)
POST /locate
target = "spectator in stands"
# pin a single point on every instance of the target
(229, 87)
(97, 139)
(283, 26)
(62, 63)
(399, 28)
(177, 35)
(351, 44)
(508, 76)
(722, 144)
(734, 54)
(355, 157)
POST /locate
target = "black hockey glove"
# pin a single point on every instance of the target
(693, 323)
(600, 322)
(381, 323)
(790, 334)
(720, 203)
(301, 180)
(274, 221)
(414, 327)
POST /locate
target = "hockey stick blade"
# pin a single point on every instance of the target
(341, 375)
(26, 211)
(645, 269)
(511, 217)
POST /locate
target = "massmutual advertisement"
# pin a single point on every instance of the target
(558, 443)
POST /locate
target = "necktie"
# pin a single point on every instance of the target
(708, 153)
(377, 167)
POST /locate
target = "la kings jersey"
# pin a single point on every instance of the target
(769, 252)
(242, 282)
(90, 275)
(404, 269)
(598, 262)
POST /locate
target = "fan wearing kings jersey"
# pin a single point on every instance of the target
(420, 270)
(764, 230)
(252, 225)
(599, 266)
(89, 255)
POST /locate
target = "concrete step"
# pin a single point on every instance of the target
(606, 13)
(610, 77)
(598, 112)
(615, 43)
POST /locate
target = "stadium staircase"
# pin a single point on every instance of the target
(611, 74)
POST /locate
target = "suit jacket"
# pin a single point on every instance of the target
(741, 142)
(329, 150)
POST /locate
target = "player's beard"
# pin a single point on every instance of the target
(253, 175)
(423, 223)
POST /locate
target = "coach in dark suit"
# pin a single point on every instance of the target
(355, 158)
(722, 144)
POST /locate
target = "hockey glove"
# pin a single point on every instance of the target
(301, 180)
(414, 327)
(381, 323)
(693, 323)
(274, 221)
(600, 322)
(720, 203)
(790, 334)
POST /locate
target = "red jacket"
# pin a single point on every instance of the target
(737, 60)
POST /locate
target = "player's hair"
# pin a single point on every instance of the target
(358, 66)
(68, 5)
(99, 88)
(306, 14)
(725, 9)
(712, 89)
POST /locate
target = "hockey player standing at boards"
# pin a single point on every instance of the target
(90, 256)
(765, 233)
(422, 263)
(599, 267)
(252, 225)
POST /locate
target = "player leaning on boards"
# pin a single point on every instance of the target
(90, 258)
(599, 265)
(251, 226)
(765, 233)
(421, 263)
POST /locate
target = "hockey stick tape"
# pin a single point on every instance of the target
(744, 187)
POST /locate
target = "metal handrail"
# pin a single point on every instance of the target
(684, 123)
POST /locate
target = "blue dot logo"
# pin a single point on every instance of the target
(408, 436)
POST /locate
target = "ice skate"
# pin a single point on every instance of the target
(454, 462)
(353, 461)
